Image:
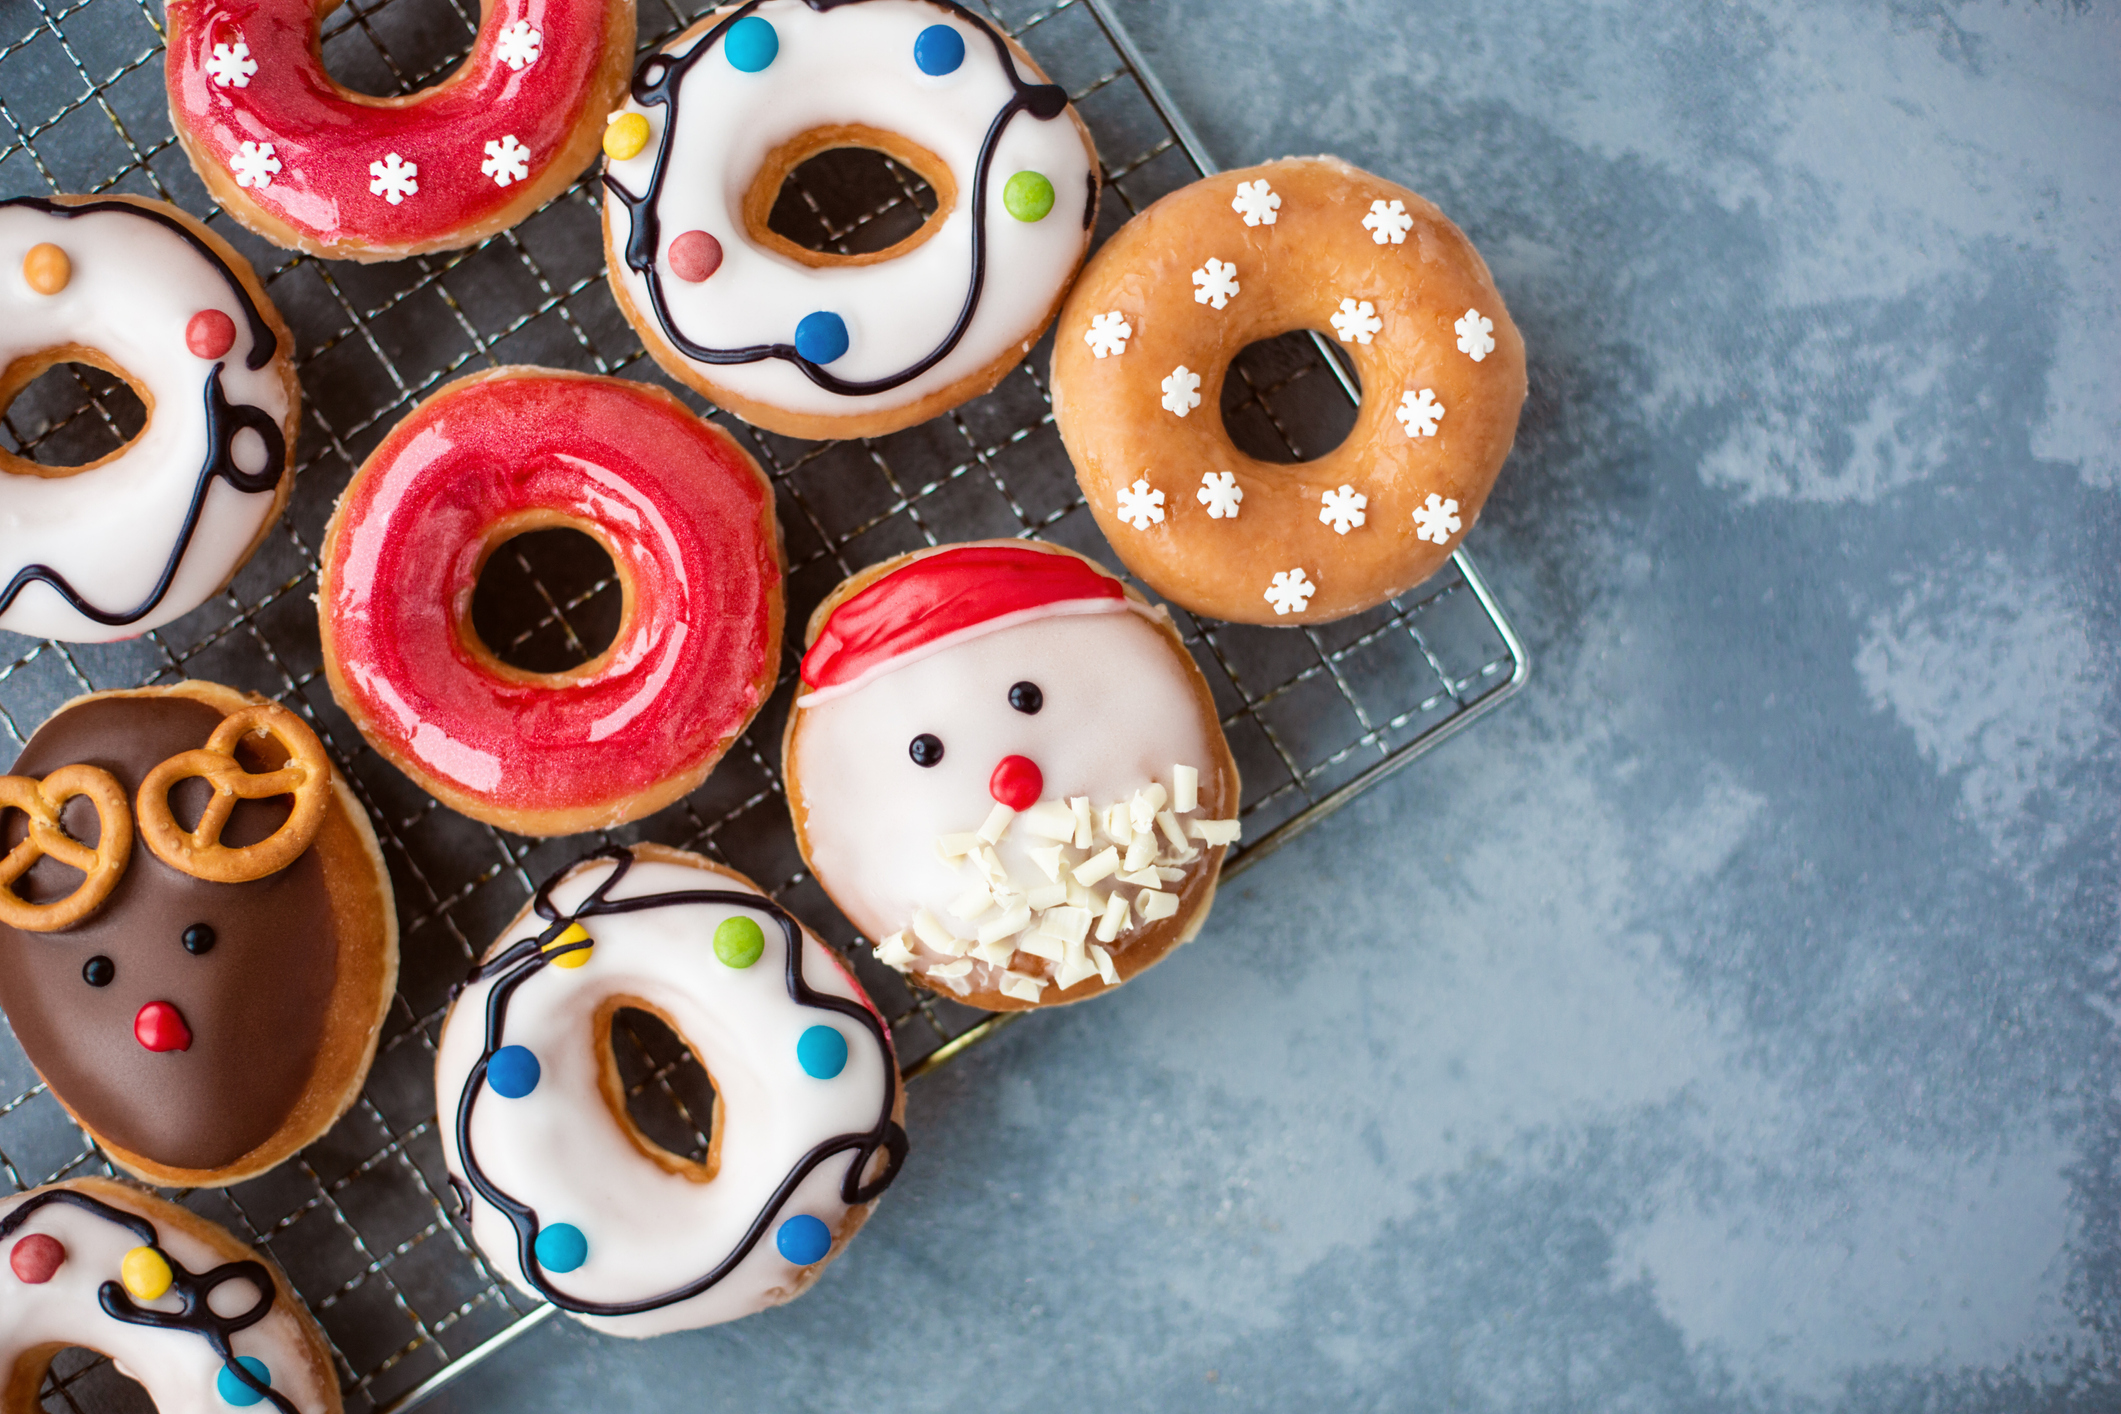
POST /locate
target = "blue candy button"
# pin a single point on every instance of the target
(938, 50)
(561, 1248)
(822, 1052)
(513, 1072)
(751, 44)
(821, 337)
(803, 1239)
(233, 1391)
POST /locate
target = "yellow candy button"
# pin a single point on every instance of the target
(625, 137)
(145, 1273)
(575, 933)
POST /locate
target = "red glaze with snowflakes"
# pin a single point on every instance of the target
(314, 166)
(687, 518)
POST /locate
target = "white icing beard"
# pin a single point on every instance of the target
(134, 288)
(560, 1150)
(854, 65)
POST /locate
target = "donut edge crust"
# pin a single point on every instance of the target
(1148, 945)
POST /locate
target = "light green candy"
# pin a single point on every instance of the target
(738, 942)
(1028, 196)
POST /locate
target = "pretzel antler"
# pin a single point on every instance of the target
(41, 801)
(199, 852)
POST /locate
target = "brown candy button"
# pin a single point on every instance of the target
(46, 268)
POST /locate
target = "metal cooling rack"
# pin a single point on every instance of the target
(362, 1221)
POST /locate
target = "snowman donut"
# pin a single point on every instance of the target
(814, 343)
(148, 533)
(177, 1302)
(1006, 768)
(567, 1197)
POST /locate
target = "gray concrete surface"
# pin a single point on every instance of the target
(1729, 1023)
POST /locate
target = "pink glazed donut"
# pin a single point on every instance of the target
(687, 518)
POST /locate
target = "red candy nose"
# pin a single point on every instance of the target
(1016, 782)
(160, 1027)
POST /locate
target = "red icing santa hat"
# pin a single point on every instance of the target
(944, 599)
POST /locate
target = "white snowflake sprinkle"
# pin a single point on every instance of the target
(1182, 390)
(518, 45)
(1476, 335)
(395, 178)
(1418, 412)
(253, 165)
(1220, 493)
(1388, 222)
(1217, 281)
(1436, 520)
(1256, 202)
(1357, 321)
(231, 64)
(506, 160)
(1140, 507)
(1343, 509)
(1108, 334)
(1291, 592)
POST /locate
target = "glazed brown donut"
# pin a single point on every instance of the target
(1320, 245)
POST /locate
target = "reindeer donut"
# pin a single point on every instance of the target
(197, 939)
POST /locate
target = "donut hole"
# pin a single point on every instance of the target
(1281, 402)
(82, 1377)
(669, 1099)
(67, 411)
(394, 51)
(848, 195)
(548, 601)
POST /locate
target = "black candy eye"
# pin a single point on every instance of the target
(926, 749)
(1026, 698)
(99, 971)
(199, 939)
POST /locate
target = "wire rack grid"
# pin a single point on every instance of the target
(362, 1221)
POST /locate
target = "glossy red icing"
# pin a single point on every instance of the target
(325, 138)
(160, 1027)
(682, 512)
(210, 334)
(1017, 782)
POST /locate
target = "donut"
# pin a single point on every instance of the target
(150, 532)
(1006, 768)
(311, 165)
(198, 1318)
(197, 938)
(567, 1197)
(1148, 336)
(813, 343)
(687, 518)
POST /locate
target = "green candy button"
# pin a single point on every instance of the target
(738, 942)
(1028, 196)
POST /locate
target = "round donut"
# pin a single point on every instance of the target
(687, 518)
(1306, 243)
(813, 343)
(311, 165)
(567, 1197)
(1006, 767)
(151, 531)
(197, 937)
(199, 1319)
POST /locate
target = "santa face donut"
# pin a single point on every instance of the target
(687, 519)
(1008, 769)
(150, 532)
(197, 943)
(312, 165)
(195, 1316)
(815, 344)
(567, 1197)
(1148, 336)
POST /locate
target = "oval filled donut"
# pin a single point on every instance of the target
(309, 164)
(687, 518)
(199, 1319)
(567, 1197)
(146, 534)
(1148, 336)
(814, 343)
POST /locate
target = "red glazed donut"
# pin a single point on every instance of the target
(309, 164)
(687, 518)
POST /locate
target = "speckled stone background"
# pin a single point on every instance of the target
(1730, 1022)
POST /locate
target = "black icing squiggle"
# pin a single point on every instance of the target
(523, 960)
(658, 81)
(194, 1289)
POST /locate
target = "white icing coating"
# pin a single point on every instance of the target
(560, 1150)
(178, 1367)
(854, 65)
(109, 531)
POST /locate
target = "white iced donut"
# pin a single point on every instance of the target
(148, 533)
(175, 1301)
(567, 1197)
(819, 344)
